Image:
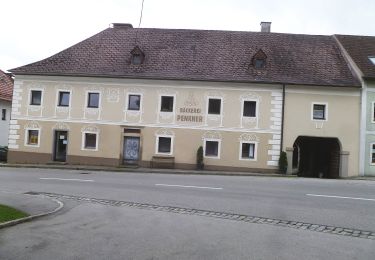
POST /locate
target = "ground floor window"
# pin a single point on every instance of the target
(90, 141)
(372, 154)
(32, 137)
(212, 148)
(248, 151)
(164, 145)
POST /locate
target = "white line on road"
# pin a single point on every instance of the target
(183, 186)
(339, 197)
(59, 179)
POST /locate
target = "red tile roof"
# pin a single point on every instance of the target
(202, 55)
(6, 86)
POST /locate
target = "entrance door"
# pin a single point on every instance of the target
(131, 150)
(61, 143)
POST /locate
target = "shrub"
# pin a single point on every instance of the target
(283, 162)
(200, 164)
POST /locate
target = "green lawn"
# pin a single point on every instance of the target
(8, 213)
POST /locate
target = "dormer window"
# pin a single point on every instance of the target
(372, 59)
(137, 56)
(259, 60)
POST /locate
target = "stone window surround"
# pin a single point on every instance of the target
(27, 137)
(325, 104)
(157, 144)
(255, 151)
(84, 139)
(218, 148)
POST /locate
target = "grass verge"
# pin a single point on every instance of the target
(8, 214)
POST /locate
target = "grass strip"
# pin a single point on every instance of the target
(8, 214)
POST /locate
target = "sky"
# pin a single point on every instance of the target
(32, 30)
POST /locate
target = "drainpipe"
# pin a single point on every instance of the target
(282, 120)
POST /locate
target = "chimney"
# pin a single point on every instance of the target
(121, 25)
(265, 27)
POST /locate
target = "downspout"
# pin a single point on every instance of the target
(282, 120)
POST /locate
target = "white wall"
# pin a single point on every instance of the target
(4, 125)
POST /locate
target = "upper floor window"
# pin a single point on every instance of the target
(259, 59)
(93, 100)
(372, 59)
(3, 114)
(134, 102)
(319, 111)
(64, 98)
(166, 104)
(137, 56)
(249, 108)
(36, 97)
(214, 106)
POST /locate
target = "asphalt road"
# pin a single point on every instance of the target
(143, 234)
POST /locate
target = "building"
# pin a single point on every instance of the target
(6, 90)
(360, 53)
(152, 97)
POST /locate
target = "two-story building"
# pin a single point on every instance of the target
(137, 96)
(6, 90)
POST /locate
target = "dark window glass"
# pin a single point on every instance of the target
(214, 106)
(3, 114)
(319, 112)
(212, 148)
(93, 100)
(134, 102)
(259, 63)
(248, 151)
(64, 99)
(166, 104)
(373, 153)
(36, 97)
(136, 59)
(33, 137)
(90, 141)
(249, 108)
(164, 145)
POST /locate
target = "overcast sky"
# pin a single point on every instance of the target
(32, 30)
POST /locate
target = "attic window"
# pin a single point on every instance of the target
(372, 59)
(259, 60)
(137, 56)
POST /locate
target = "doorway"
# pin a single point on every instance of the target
(61, 144)
(131, 149)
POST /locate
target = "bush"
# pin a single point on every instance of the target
(283, 162)
(200, 164)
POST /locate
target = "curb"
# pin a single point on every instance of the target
(30, 218)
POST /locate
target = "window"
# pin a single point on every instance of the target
(372, 154)
(259, 60)
(36, 97)
(136, 59)
(211, 148)
(248, 151)
(90, 141)
(134, 102)
(32, 137)
(165, 145)
(249, 108)
(166, 104)
(137, 56)
(319, 112)
(93, 100)
(372, 59)
(64, 99)
(3, 114)
(259, 63)
(214, 106)
(373, 112)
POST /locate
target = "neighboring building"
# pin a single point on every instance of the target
(6, 90)
(152, 96)
(360, 53)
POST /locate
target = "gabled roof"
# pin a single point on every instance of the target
(360, 48)
(6, 86)
(201, 55)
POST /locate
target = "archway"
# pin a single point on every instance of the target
(317, 157)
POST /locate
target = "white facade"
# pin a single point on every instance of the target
(5, 109)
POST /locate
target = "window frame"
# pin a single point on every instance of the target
(157, 144)
(26, 141)
(325, 104)
(31, 97)
(219, 148)
(243, 108)
(128, 99)
(208, 105)
(88, 96)
(255, 151)
(83, 147)
(58, 97)
(174, 103)
(370, 154)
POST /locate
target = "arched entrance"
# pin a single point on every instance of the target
(317, 157)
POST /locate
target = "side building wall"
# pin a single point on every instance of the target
(369, 151)
(5, 106)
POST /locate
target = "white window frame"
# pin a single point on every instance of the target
(372, 112)
(221, 105)
(83, 148)
(325, 111)
(219, 148)
(255, 151)
(370, 154)
(157, 144)
(27, 137)
(87, 99)
(41, 98)
(174, 103)
(140, 104)
(58, 97)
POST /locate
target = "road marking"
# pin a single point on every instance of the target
(59, 179)
(183, 186)
(339, 197)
